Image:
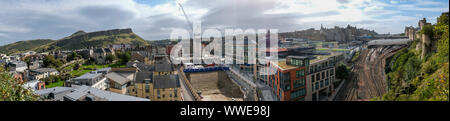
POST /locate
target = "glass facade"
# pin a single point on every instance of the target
(298, 93)
(286, 81)
(299, 83)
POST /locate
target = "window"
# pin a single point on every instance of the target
(286, 81)
(298, 93)
(300, 73)
(158, 93)
(316, 68)
(323, 75)
(317, 86)
(175, 92)
(327, 82)
(313, 87)
(318, 76)
(147, 88)
(331, 72)
(117, 86)
(313, 79)
(321, 84)
(299, 83)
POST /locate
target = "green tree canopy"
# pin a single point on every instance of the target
(50, 61)
(12, 90)
(342, 72)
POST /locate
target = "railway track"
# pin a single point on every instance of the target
(368, 79)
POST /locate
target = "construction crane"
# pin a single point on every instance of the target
(186, 17)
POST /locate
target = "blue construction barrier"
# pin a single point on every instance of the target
(208, 69)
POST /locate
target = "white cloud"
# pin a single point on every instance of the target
(9, 28)
(54, 19)
(3, 35)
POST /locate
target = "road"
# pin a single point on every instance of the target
(368, 80)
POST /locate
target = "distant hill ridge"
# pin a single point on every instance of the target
(79, 40)
(23, 46)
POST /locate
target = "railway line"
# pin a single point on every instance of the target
(368, 78)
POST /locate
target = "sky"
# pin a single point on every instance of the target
(155, 19)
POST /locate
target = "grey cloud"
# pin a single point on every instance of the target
(343, 1)
(106, 15)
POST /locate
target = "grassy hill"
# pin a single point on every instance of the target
(412, 78)
(78, 40)
(23, 46)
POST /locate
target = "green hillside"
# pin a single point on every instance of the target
(78, 40)
(23, 46)
(412, 78)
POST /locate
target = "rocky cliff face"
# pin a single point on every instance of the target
(333, 34)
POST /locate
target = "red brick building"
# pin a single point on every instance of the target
(289, 80)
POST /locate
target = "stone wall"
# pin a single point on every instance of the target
(426, 44)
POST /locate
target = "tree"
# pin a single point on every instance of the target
(124, 57)
(77, 66)
(50, 61)
(110, 58)
(73, 56)
(427, 30)
(90, 61)
(342, 72)
(12, 90)
(27, 60)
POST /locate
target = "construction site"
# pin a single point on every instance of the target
(215, 86)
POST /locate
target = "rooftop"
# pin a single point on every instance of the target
(163, 67)
(43, 70)
(104, 69)
(166, 81)
(117, 78)
(142, 76)
(141, 66)
(319, 58)
(283, 65)
(89, 76)
(80, 93)
(129, 69)
(19, 63)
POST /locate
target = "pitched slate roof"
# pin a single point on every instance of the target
(130, 69)
(117, 78)
(89, 76)
(166, 81)
(163, 68)
(142, 76)
(141, 66)
(79, 93)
